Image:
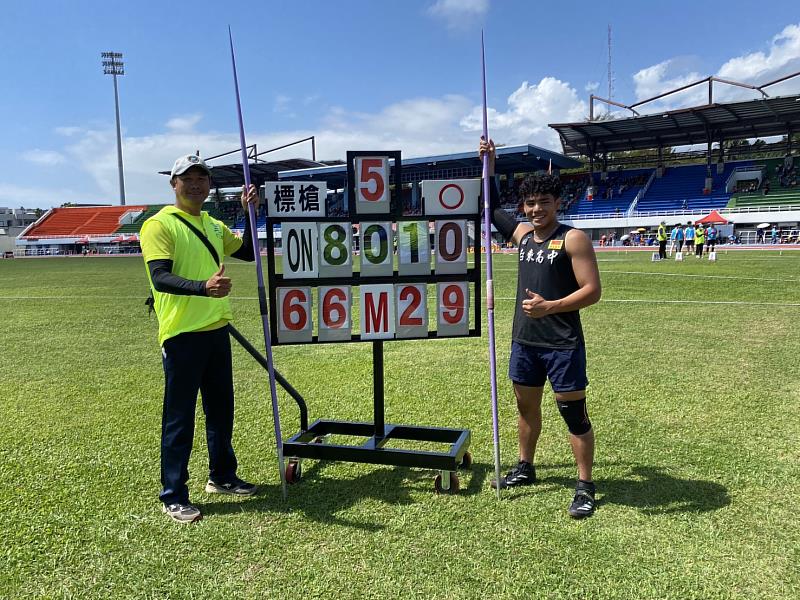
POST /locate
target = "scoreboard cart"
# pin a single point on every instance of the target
(317, 252)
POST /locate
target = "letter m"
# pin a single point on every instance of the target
(376, 319)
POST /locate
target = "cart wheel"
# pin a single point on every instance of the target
(466, 462)
(293, 471)
(454, 484)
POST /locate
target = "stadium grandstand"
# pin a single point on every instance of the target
(618, 174)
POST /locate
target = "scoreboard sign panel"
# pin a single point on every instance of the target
(372, 185)
(335, 250)
(377, 242)
(451, 197)
(335, 313)
(294, 314)
(451, 246)
(375, 273)
(300, 253)
(413, 248)
(286, 199)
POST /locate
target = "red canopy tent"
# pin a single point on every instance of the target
(713, 217)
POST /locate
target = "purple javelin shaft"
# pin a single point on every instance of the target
(489, 281)
(262, 296)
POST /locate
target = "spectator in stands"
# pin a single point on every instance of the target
(688, 236)
(182, 246)
(766, 187)
(685, 204)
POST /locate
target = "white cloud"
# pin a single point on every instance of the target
(530, 109)
(416, 127)
(592, 86)
(184, 123)
(662, 77)
(282, 103)
(44, 157)
(67, 131)
(781, 57)
(459, 14)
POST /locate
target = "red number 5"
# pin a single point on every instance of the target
(371, 170)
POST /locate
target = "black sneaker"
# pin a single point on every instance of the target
(523, 474)
(583, 503)
(182, 513)
(235, 487)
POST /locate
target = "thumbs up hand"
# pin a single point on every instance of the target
(535, 306)
(218, 286)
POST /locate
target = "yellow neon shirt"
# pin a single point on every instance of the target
(165, 237)
(699, 235)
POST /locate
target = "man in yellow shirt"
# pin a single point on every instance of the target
(190, 291)
(661, 237)
(699, 240)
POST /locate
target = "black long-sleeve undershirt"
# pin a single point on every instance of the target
(245, 251)
(166, 282)
(505, 223)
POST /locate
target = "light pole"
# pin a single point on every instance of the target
(113, 65)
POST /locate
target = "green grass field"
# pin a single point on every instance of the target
(694, 396)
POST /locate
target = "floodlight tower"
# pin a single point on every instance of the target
(113, 65)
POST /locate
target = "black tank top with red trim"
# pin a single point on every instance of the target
(546, 269)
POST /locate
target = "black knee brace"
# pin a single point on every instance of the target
(575, 416)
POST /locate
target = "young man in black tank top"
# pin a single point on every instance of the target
(557, 276)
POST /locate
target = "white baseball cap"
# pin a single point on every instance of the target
(184, 163)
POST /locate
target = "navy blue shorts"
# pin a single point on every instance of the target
(533, 365)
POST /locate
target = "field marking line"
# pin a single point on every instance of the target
(649, 301)
(701, 276)
(634, 301)
(735, 277)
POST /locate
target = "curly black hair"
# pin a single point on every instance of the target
(540, 184)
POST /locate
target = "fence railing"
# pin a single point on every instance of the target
(685, 211)
(641, 193)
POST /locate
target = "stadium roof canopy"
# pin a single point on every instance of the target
(510, 159)
(737, 120)
(229, 176)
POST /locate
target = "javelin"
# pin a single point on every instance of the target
(487, 243)
(262, 297)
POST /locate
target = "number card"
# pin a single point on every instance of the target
(376, 249)
(372, 185)
(377, 312)
(452, 309)
(451, 197)
(411, 300)
(335, 255)
(335, 312)
(451, 247)
(413, 248)
(287, 199)
(299, 250)
(294, 315)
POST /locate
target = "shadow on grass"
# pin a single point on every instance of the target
(653, 491)
(322, 499)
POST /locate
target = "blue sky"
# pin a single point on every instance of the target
(394, 75)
